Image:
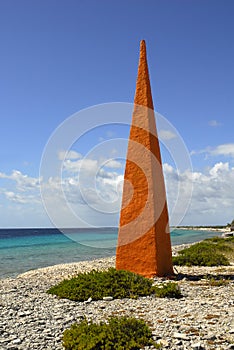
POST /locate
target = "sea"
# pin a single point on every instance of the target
(22, 250)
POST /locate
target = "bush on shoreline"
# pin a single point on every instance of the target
(168, 290)
(210, 252)
(115, 283)
(120, 333)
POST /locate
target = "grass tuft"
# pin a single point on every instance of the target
(120, 333)
(217, 282)
(115, 283)
(210, 252)
(168, 290)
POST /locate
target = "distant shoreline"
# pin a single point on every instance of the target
(187, 227)
(203, 228)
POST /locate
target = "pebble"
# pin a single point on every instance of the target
(107, 298)
(196, 346)
(180, 336)
(31, 319)
(88, 301)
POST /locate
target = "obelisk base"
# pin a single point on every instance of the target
(141, 257)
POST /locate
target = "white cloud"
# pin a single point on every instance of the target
(223, 150)
(87, 166)
(23, 182)
(168, 168)
(19, 198)
(98, 192)
(219, 168)
(226, 150)
(69, 155)
(85, 193)
(214, 123)
(166, 135)
(212, 201)
(112, 163)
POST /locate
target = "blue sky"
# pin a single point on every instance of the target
(59, 57)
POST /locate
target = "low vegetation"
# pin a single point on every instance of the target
(224, 245)
(117, 333)
(169, 289)
(214, 251)
(115, 283)
(217, 281)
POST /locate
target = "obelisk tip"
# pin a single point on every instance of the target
(143, 95)
(142, 44)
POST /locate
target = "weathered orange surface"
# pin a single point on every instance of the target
(144, 244)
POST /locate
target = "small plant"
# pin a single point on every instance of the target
(206, 253)
(230, 239)
(221, 244)
(217, 282)
(168, 290)
(215, 239)
(115, 283)
(119, 333)
(99, 284)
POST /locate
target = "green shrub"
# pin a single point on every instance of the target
(99, 284)
(223, 241)
(168, 290)
(120, 334)
(215, 239)
(115, 283)
(217, 282)
(221, 244)
(229, 239)
(206, 253)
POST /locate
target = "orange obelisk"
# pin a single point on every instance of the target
(144, 244)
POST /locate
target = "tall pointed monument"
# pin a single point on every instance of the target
(144, 244)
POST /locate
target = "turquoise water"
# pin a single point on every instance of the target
(26, 249)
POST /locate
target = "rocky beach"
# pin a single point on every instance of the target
(203, 319)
